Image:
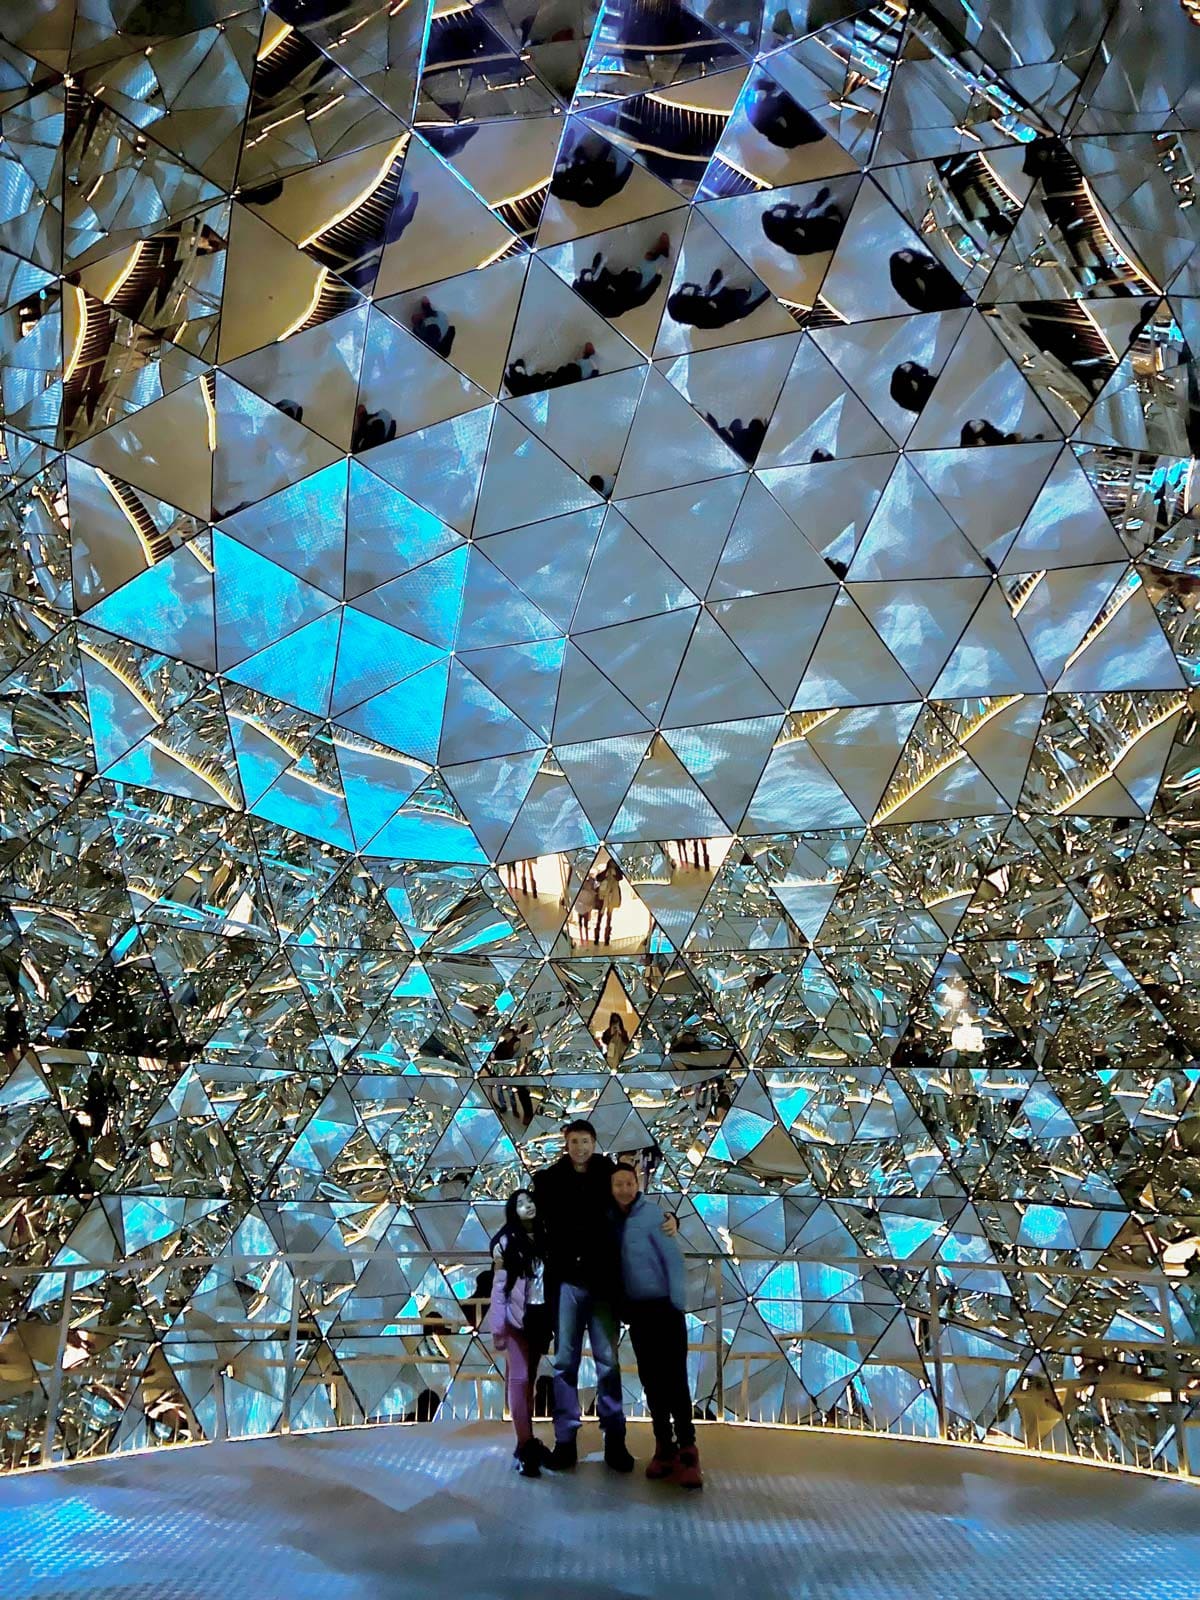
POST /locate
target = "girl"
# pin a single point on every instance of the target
(615, 1040)
(519, 1319)
(608, 890)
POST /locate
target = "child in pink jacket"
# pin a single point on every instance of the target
(519, 1320)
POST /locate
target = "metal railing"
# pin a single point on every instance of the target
(1130, 1397)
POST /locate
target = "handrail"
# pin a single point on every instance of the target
(918, 1265)
(930, 1363)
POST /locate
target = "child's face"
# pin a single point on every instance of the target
(526, 1210)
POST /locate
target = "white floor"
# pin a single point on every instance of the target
(435, 1513)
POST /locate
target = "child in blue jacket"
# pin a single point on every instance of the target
(654, 1289)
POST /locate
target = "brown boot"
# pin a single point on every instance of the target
(662, 1462)
(687, 1468)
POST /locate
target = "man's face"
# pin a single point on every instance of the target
(581, 1147)
(624, 1188)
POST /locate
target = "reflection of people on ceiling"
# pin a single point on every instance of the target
(371, 428)
(521, 877)
(774, 114)
(613, 294)
(514, 1043)
(512, 1101)
(591, 173)
(520, 381)
(699, 849)
(923, 283)
(744, 437)
(433, 328)
(403, 212)
(608, 887)
(588, 902)
(615, 1040)
(911, 385)
(715, 305)
(979, 431)
(806, 230)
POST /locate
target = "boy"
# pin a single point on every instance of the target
(654, 1283)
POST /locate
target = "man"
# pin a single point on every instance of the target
(654, 1284)
(574, 1200)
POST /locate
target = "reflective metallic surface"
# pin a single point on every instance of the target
(634, 560)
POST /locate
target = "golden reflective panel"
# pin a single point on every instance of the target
(635, 562)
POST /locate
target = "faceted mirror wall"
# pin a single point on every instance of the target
(636, 560)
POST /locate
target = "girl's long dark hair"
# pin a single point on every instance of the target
(518, 1248)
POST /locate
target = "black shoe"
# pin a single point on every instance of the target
(543, 1456)
(615, 1454)
(528, 1462)
(564, 1455)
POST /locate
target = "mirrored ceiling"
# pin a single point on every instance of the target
(631, 559)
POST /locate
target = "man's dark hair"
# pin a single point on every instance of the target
(580, 1125)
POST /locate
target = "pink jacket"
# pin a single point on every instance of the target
(507, 1310)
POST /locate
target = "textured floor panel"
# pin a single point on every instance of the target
(393, 1513)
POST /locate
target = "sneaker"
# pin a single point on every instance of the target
(687, 1468)
(615, 1454)
(527, 1460)
(662, 1462)
(564, 1455)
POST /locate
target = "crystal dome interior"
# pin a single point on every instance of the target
(635, 560)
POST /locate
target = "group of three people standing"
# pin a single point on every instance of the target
(581, 1252)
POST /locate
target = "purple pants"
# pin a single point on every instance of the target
(520, 1374)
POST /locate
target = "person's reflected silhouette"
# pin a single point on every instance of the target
(805, 230)
(590, 172)
(614, 294)
(715, 304)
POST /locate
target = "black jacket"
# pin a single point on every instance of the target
(576, 1212)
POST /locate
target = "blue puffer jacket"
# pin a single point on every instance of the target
(651, 1264)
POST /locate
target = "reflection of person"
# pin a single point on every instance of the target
(613, 294)
(608, 888)
(615, 1040)
(779, 118)
(521, 876)
(744, 437)
(714, 305)
(371, 428)
(924, 283)
(911, 385)
(982, 431)
(590, 172)
(520, 381)
(574, 1199)
(587, 903)
(699, 853)
(513, 1044)
(654, 1300)
(433, 328)
(402, 213)
(519, 1319)
(806, 230)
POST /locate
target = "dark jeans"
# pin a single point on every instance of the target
(659, 1336)
(579, 1311)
